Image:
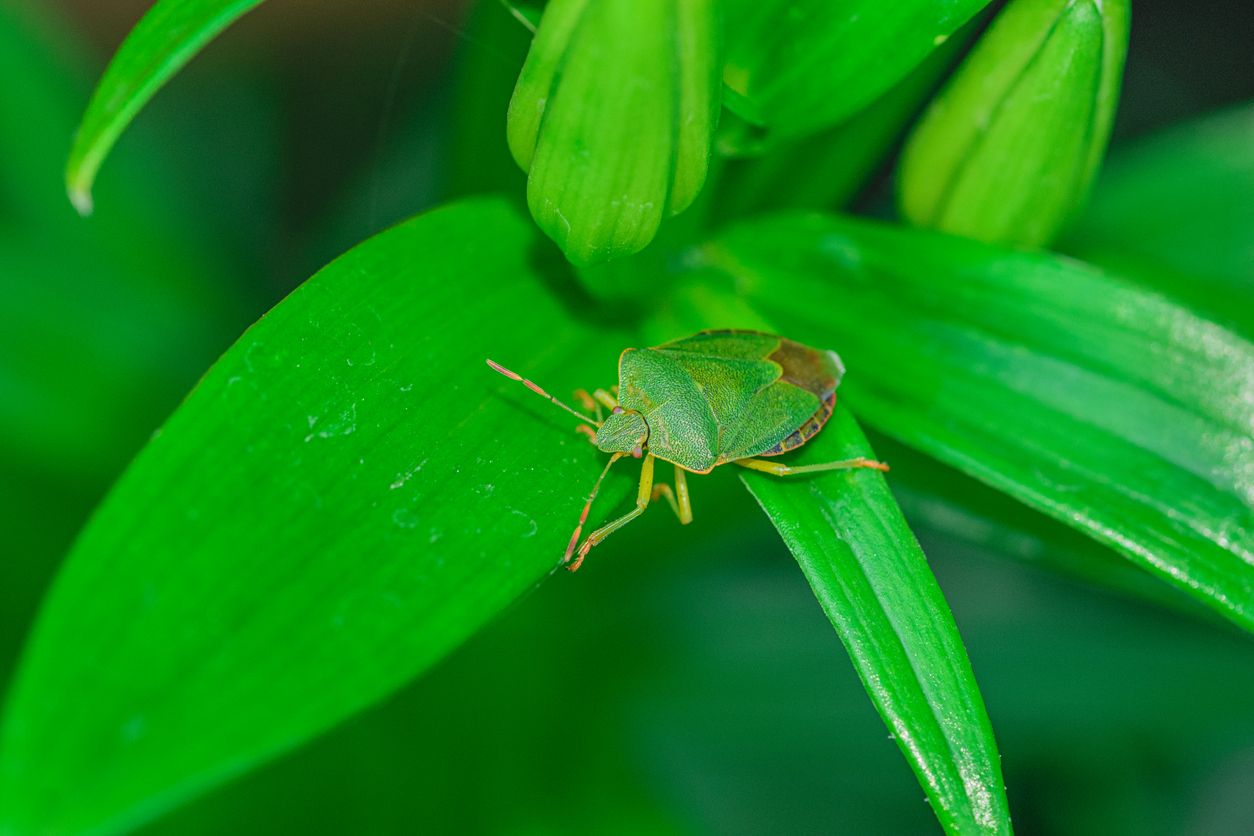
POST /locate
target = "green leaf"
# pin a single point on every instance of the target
(937, 498)
(796, 67)
(165, 39)
(826, 170)
(1107, 407)
(874, 583)
(347, 495)
(1176, 210)
(528, 14)
(1009, 148)
(104, 325)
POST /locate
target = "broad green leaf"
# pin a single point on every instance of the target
(1177, 210)
(872, 579)
(1105, 406)
(1008, 149)
(707, 683)
(347, 495)
(796, 67)
(874, 583)
(167, 37)
(937, 498)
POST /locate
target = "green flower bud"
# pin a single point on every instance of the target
(1008, 151)
(612, 117)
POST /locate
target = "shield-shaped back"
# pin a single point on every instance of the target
(723, 395)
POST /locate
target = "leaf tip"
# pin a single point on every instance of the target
(80, 197)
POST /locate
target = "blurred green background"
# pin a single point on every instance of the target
(689, 684)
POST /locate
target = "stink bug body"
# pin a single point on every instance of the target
(702, 401)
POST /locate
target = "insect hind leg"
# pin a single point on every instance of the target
(781, 469)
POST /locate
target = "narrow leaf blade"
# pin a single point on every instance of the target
(873, 581)
(165, 39)
(347, 495)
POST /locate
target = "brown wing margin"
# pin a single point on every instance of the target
(807, 430)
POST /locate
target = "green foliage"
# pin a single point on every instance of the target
(825, 170)
(1008, 150)
(104, 325)
(334, 541)
(796, 67)
(1005, 364)
(941, 499)
(349, 494)
(1176, 210)
(875, 585)
(479, 159)
(171, 33)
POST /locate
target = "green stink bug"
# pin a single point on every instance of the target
(701, 401)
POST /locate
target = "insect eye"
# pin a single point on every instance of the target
(637, 452)
(618, 410)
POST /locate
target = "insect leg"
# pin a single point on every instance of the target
(678, 498)
(606, 398)
(780, 469)
(574, 538)
(586, 401)
(642, 502)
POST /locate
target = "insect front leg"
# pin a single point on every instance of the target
(574, 538)
(642, 502)
(606, 398)
(678, 499)
(781, 469)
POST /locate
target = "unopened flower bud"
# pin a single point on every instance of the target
(612, 117)
(1008, 150)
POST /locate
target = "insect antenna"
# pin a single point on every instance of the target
(539, 391)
